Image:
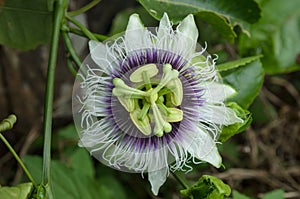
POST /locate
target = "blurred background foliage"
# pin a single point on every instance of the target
(262, 159)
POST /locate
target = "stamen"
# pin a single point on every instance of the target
(122, 89)
(127, 103)
(163, 107)
(169, 74)
(171, 114)
(137, 76)
(162, 99)
(143, 125)
(175, 115)
(144, 111)
(160, 123)
(147, 81)
(175, 86)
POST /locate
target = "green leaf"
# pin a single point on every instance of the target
(78, 158)
(276, 36)
(21, 191)
(68, 133)
(247, 81)
(68, 183)
(237, 195)
(263, 111)
(277, 194)
(67, 138)
(236, 63)
(50, 5)
(110, 181)
(25, 25)
(81, 161)
(219, 23)
(243, 13)
(121, 19)
(229, 131)
(230, 151)
(208, 187)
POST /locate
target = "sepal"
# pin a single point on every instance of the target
(207, 187)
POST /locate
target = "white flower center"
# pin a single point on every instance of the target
(152, 103)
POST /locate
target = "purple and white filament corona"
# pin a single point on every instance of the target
(151, 101)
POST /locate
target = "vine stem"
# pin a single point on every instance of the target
(5, 125)
(71, 67)
(20, 162)
(71, 54)
(71, 49)
(181, 180)
(84, 8)
(90, 35)
(80, 33)
(59, 6)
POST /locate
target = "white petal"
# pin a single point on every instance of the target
(213, 157)
(165, 36)
(136, 35)
(165, 27)
(200, 144)
(218, 115)
(217, 92)
(100, 56)
(157, 179)
(93, 44)
(188, 27)
(188, 33)
(134, 23)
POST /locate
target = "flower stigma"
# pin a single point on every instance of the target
(152, 106)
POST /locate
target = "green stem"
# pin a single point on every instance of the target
(20, 162)
(80, 33)
(71, 67)
(8, 124)
(84, 8)
(181, 180)
(59, 7)
(71, 49)
(73, 54)
(82, 28)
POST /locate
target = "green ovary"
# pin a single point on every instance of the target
(153, 103)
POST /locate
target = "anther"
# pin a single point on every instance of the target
(157, 102)
(143, 125)
(175, 86)
(169, 74)
(137, 76)
(127, 103)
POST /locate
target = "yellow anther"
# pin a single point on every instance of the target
(143, 125)
(155, 102)
(127, 103)
(175, 115)
(137, 76)
(175, 86)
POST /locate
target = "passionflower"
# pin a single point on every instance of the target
(151, 100)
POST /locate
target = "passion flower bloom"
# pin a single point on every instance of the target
(152, 101)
